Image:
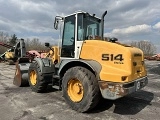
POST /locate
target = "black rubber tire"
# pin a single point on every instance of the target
(41, 84)
(91, 95)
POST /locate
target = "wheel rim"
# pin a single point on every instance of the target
(33, 77)
(75, 90)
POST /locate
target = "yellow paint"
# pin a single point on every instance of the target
(33, 77)
(9, 55)
(111, 71)
(54, 55)
(75, 90)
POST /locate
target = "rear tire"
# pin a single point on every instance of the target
(36, 78)
(80, 89)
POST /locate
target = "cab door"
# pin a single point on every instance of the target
(68, 38)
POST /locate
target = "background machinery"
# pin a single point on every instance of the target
(14, 52)
(8, 54)
(86, 66)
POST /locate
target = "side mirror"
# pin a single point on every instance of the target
(56, 21)
(47, 44)
(56, 24)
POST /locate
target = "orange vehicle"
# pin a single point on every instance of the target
(86, 66)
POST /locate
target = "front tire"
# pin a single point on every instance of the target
(36, 78)
(80, 89)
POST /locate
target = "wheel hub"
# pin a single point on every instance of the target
(75, 90)
(78, 88)
(33, 77)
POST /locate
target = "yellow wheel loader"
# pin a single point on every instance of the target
(9, 57)
(15, 52)
(86, 66)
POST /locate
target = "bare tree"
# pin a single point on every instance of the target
(34, 44)
(146, 46)
(4, 37)
(13, 40)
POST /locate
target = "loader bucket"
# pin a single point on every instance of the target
(21, 73)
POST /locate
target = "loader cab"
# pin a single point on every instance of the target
(77, 28)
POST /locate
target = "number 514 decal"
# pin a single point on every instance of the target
(118, 58)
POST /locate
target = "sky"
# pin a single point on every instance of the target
(127, 20)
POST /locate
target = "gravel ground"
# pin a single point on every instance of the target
(23, 104)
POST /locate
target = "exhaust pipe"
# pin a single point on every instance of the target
(102, 24)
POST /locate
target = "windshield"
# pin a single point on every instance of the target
(88, 27)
